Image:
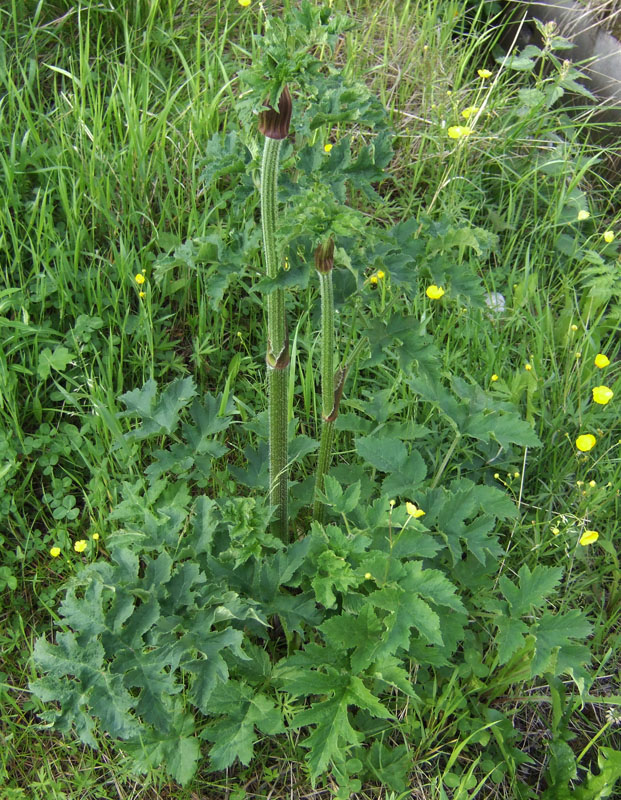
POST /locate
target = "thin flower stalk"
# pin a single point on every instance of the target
(332, 383)
(324, 263)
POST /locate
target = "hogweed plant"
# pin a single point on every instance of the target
(201, 625)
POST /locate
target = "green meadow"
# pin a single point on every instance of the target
(384, 564)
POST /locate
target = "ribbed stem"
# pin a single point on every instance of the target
(277, 357)
(327, 343)
(323, 465)
(327, 387)
(327, 429)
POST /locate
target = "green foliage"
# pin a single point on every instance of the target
(377, 642)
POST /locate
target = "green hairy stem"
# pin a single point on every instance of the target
(277, 356)
(327, 387)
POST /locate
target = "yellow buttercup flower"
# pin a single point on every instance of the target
(139, 278)
(494, 377)
(528, 367)
(601, 360)
(555, 531)
(413, 511)
(96, 536)
(327, 147)
(586, 442)
(602, 395)
(367, 576)
(55, 552)
(470, 111)
(588, 537)
(80, 546)
(609, 236)
(373, 280)
(434, 292)
(380, 274)
(142, 295)
(582, 215)
(244, 3)
(459, 131)
(484, 73)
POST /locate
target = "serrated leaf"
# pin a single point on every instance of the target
(158, 415)
(332, 730)
(366, 700)
(561, 765)
(205, 511)
(343, 502)
(390, 670)
(304, 682)
(553, 632)
(533, 590)
(207, 422)
(145, 670)
(361, 633)
(224, 155)
(143, 618)
(111, 702)
(300, 447)
(67, 657)
(505, 427)
(387, 455)
(411, 542)
(256, 474)
(406, 610)
(509, 637)
(600, 786)
(333, 574)
(182, 755)
(405, 337)
(212, 669)
(157, 572)
(407, 478)
(432, 585)
(85, 615)
(234, 736)
(389, 765)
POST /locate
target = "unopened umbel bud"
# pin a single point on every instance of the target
(324, 256)
(275, 124)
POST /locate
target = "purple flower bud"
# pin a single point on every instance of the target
(275, 124)
(324, 256)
